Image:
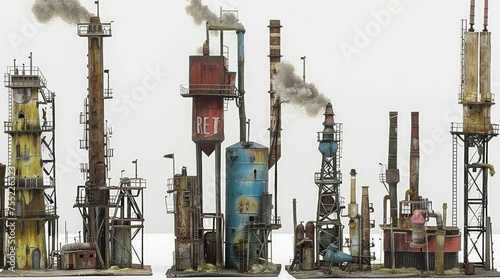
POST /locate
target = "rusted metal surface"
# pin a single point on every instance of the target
(78, 256)
(365, 213)
(209, 84)
(96, 196)
(414, 157)
(26, 159)
(275, 105)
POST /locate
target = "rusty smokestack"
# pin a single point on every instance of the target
(365, 213)
(392, 172)
(97, 197)
(241, 83)
(354, 221)
(485, 23)
(414, 157)
(275, 105)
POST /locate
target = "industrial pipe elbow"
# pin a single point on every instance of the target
(487, 165)
(439, 218)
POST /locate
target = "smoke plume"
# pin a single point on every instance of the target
(201, 14)
(289, 86)
(71, 11)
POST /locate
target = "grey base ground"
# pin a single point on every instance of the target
(146, 271)
(171, 273)
(387, 273)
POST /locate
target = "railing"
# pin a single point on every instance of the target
(108, 93)
(35, 182)
(209, 89)
(473, 98)
(170, 185)
(318, 179)
(27, 125)
(27, 213)
(407, 206)
(474, 128)
(94, 29)
(171, 207)
(133, 183)
(24, 76)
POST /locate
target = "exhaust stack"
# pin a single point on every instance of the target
(392, 172)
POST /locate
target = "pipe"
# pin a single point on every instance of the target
(491, 167)
(485, 23)
(206, 44)
(438, 217)
(445, 209)
(386, 198)
(241, 83)
(472, 14)
(353, 186)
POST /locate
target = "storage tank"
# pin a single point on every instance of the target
(246, 184)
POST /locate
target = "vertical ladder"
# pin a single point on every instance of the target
(9, 144)
(242, 262)
(196, 236)
(454, 185)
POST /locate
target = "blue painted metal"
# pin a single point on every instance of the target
(246, 182)
(333, 255)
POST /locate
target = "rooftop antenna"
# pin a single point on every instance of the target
(485, 23)
(97, 3)
(471, 22)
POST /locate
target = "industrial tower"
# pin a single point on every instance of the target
(93, 198)
(30, 189)
(474, 135)
(330, 203)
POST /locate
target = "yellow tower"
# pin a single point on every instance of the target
(28, 213)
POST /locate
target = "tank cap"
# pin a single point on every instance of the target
(247, 144)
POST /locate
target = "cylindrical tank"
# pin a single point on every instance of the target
(307, 262)
(418, 229)
(246, 182)
(121, 244)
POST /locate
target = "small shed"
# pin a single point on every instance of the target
(78, 256)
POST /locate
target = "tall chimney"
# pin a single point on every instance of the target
(97, 197)
(354, 222)
(275, 105)
(365, 212)
(241, 83)
(485, 23)
(414, 157)
(392, 172)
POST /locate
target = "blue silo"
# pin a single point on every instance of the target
(248, 202)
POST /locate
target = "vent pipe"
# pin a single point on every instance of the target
(472, 15)
(485, 23)
(241, 83)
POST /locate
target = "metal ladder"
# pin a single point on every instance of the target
(242, 253)
(196, 236)
(454, 185)
(9, 143)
